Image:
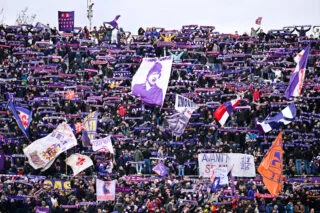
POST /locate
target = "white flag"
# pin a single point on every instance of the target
(106, 190)
(78, 163)
(184, 108)
(102, 145)
(44, 150)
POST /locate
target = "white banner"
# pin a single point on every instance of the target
(78, 163)
(105, 190)
(242, 165)
(103, 145)
(150, 82)
(178, 121)
(182, 103)
(43, 150)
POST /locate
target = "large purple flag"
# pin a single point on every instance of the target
(66, 21)
(297, 77)
(2, 158)
(150, 82)
(160, 169)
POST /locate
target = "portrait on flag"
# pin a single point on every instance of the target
(151, 80)
(105, 190)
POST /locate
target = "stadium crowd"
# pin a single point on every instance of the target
(40, 66)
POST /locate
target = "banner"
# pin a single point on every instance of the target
(22, 116)
(243, 165)
(66, 21)
(150, 82)
(57, 184)
(177, 122)
(89, 126)
(78, 163)
(221, 163)
(42, 209)
(102, 145)
(2, 159)
(42, 151)
(106, 190)
(182, 103)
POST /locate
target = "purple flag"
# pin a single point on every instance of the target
(89, 128)
(42, 209)
(66, 21)
(2, 158)
(114, 22)
(150, 82)
(297, 77)
(215, 185)
(160, 169)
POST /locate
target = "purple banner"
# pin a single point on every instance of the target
(42, 210)
(2, 158)
(66, 21)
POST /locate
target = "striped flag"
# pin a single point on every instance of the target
(224, 110)
(297, 77)
(22, 116)
(284, 117)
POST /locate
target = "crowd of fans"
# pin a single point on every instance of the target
(40, 65)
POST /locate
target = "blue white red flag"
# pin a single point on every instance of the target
(22, 116)
(296, 80)
(224, 110)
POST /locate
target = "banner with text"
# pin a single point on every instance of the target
(242, 165)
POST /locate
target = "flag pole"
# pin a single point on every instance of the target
(232, 182)
(66, 163)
